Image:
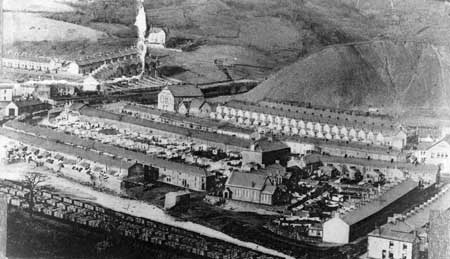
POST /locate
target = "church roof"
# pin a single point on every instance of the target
(258, 182)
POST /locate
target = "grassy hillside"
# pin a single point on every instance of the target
(395, 76)
(403, 65)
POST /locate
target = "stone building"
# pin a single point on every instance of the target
(31, 63)
(15, 108)
(300, 121)
(436, 154)
(172, 97)
(396, 240)
(6, 90)
(347, 227)
(251, 187)
(156, 38)
(266, 152)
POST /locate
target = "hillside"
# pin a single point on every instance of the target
(384, 74)
(297, 42)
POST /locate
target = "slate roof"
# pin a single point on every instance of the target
(265, 145)
(185, 91)
(26, 103)
(25, 56)
(352, 145)
(106, 148)
(377, 204)
(101, 57)
(399, 230)
(371, 162)
(332, 118)
(189, 119)
(273, 170)
(444, 139)
(253, 181)
(197, 103)
(143, 109)
(198, 134)
(155, 30)
(51, 145)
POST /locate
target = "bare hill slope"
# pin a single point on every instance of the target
(396, 76)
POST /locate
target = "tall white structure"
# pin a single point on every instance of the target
(141, 24)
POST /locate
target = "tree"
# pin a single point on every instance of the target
(31, 182)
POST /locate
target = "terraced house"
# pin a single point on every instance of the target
(300, 121)
(28, 62)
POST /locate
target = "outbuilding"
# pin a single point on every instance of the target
(15, 108)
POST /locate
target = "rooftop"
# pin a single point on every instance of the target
(185, 91)
(25, 103)
(352, 145)
(65, 149)
(155, 30)
(307, 114)
(422, 216)
(372, 163)
(197, 103)
(198, 134)
(55, 136)
(377, 204)
(398, 230)
(26, 56)
(426, 146)
(267, 145)
(272, 170)
(100, 57)
(250, 181)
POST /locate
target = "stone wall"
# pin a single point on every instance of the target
(94, 216)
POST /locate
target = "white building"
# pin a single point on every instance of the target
(156, 38)
(43, 64)
(6, 90)
(90, 84)
(71, 68)
(336, 230)
(171, 97)
(395, 240)
(436, 154)
(317, 125)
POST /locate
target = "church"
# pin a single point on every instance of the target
(174, 98)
